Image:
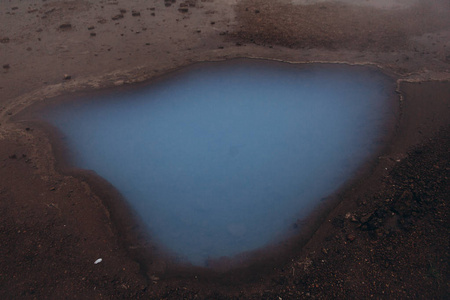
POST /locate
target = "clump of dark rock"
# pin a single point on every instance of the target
(65, 26)
(117, 17)
(168, 3)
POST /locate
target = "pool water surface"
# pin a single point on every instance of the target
(223, 158)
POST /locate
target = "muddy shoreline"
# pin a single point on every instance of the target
(385, 237)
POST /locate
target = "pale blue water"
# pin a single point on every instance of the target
(223, 158)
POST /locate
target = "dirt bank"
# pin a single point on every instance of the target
(387, 238)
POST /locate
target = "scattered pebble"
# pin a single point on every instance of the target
(351, 237)
(65, 26)
(67, 77)
(98, 261)
(117, 17)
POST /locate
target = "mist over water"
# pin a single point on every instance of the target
(223, 158)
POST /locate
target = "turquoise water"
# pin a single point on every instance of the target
(223, 158)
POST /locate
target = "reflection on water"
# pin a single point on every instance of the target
(223, 158)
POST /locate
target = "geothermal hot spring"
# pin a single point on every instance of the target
(223, 158)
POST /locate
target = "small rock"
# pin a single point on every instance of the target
(4, 40)
(13, 156)
(91, 27)
(117, 17)
(6, 66)
(93, 34)
(365, 218)
(67, 77)
(183, 9)
(135, 13)
(98, 261)
(65, 26)
(351, 237)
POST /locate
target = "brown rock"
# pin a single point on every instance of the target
(117, 17)
(365, 218)
(65, 26)
(351, 237)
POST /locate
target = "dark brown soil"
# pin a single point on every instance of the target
(387, 233)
